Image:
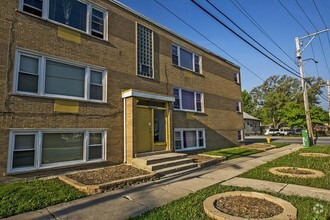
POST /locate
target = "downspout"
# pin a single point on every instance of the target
(125, 146)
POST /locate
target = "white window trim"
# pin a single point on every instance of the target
(38, 148)
(193, 59)
(239, 104)
(195, 103)
(45, 16)
(138, 65)
(42, 76)
(181, 130)
(242, 138)
(238, 81)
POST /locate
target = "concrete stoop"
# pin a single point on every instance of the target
(168, 163)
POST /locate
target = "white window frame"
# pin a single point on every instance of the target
(90, 6)
(38, 148)
(237, 76)
(193, 58)
(239, 105)
(181, 130)
(195, 101)
(42, 77)
(241, 133)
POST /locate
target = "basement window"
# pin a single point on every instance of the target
(189, 138)
(39, 149)
(53, 77)
(77, 14)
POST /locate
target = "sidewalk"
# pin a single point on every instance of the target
(123, 203)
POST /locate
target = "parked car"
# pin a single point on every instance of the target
(273, 132)
(285, 131)
(297, 131)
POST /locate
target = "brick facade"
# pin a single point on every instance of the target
(118, 55)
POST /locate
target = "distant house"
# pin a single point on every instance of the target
(251, 124)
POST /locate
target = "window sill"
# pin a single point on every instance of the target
(60, 98)
(63, 25)
(53, 167)
(188, 111)
(239, 112)
(189, 70)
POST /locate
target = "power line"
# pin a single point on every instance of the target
(222, 13)
(255, 23)
(293, 16)
(326, 27)
(206, 38)
(325, 59)
(239, 36)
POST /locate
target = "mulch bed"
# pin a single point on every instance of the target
(295, 171)
(107, 174)
(248, 207)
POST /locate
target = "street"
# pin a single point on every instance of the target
(282, 139)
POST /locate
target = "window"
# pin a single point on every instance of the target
(48, 148)
(33, 7)
(238, 106)
(24, 151)
(95, 147)
(77, 14)
(44, 76)
(188, 100)
(145, 51)
(186, 59)
(240, 135)
(236, 78)
(186, 139)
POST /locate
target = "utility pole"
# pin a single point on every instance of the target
(299, 51)
(328, 85)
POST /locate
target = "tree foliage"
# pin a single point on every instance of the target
(279, 101)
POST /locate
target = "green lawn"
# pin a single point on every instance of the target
(294, 160)
(231, 153)
(16, 198)
(191, 207)
(278, 145)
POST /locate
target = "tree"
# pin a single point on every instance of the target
(277, 91)
(248, 105)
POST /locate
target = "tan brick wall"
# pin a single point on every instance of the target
(118, 56)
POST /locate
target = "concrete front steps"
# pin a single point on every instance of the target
(165, 163)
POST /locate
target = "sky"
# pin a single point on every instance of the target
(270, 15)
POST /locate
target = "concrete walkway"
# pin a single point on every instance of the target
(123, 203)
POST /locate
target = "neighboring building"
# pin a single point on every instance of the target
(251, 124)
(93, 82)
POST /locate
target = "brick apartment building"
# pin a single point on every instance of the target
(93, 82)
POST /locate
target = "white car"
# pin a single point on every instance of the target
(272, 132)
(285, 131)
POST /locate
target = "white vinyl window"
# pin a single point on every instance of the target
(38, 149)
(238, 106)
(240, 135)
(145, 51)
(189, 138)
(77, 14)
(186, 59)
(236, 78)
(52, 77)
(188, 100)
